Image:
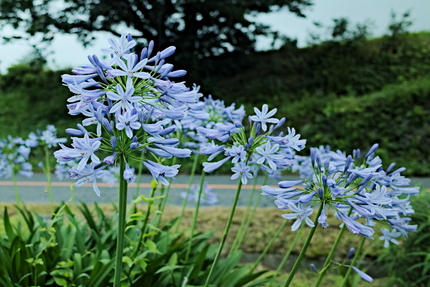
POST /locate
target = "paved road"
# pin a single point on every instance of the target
(33, 190)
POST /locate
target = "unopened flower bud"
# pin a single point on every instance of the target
(113, 142)
(107, 125)
(372, 150)
(167, 131)
(280, 123)
(134, 144)
(110, 159)
(314, 268)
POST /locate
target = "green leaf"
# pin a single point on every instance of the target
(168, 268)
(152, 247)
(60, 281)
(173, 259)
(102, 274)
(7, 226)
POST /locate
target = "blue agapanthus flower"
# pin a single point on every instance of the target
(207, 197)
(358, 190)
(255, 151)
(15, 157)
(131, 101)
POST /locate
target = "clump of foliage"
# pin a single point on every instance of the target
(79, 250)
(396, 117)
(37, 93)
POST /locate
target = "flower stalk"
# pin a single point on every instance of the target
(122, 210)
(241, 231)
(226, 230)
(354, 260)
(330, 256)
(290, 249)
(266, 249)
(190, 182)
(196, 213)
(304, 248)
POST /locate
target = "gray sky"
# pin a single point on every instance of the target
(69, 53)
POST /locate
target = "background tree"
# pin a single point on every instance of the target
(204, 28)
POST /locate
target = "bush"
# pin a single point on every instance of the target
(31, 98)
(395, 117)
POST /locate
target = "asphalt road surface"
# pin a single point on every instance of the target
(34, 190)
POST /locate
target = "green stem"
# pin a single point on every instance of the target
(164, 200)
(354, 260)
(15, 186)
(47, 170)
(139, 178)
(142, 229)
(251, 217)
(226, 230)
(240, 233)
(121, 223)
(304, 248)
(190, 182)
(72, 189)
(290, 249)
(268, 246)
(193, 225)
(330, 256)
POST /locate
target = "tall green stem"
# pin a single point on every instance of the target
(190, 182)
(304, 248)
(196, 213)
(290, 249)
(139, 178)
(268, 246)
(226, 230)
(330, 256)
(240, 232)
(354, 260)
(47, 170)
(121, 223)
(251, 217)
(142, 229)
(163, 201)
(15, 186)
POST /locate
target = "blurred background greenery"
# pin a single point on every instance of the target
(345, 89)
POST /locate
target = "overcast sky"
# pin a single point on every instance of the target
(67, 52)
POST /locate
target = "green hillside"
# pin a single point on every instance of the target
(348, 94)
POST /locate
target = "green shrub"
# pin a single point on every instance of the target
(396, 117)
(32, 98)
(71, 250)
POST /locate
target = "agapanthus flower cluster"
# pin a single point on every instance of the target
(206, 114)
(357, 189)
(14, 157)
(207, 197)
(260, 148)
(130, 100)
(47, 137)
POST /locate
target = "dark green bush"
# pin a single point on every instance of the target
(31, 98)
(351, 66)
(397, 118)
